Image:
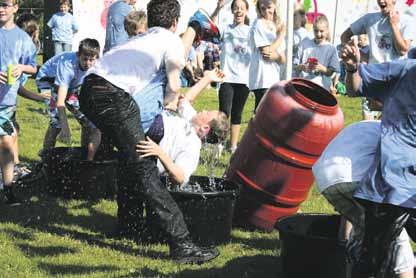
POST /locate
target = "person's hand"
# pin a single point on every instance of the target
(148, 148)
(220, 4)
(3, 77)
(271, 56)
(319, 68)
(215, 75)
(350, 53)
(394, 17)
(17, 71)
(65, 135)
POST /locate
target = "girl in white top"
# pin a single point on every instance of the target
(235, 60)
(267, 46)
(317, 59)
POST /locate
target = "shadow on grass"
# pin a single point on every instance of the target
(243, 267)
(74, 269)
(45, 251)
(258, 243)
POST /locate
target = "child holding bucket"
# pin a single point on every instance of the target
(317, 59)
(14, 61)
(267, 49)
(338, 173)
(387, 190)
(63, 75)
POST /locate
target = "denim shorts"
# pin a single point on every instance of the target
(7, 120)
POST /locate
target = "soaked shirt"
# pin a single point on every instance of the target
(392, 176)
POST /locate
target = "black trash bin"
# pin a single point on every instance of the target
(208, 214)
(310, 247)
(70, 175)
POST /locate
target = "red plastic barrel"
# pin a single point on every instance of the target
(294, 122)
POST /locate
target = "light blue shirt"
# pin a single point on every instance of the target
(64, 69)
(63, 27)
(16, 47)
(392, 177)
(115, 33)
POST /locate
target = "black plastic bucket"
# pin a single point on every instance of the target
(310, 248)
(70, 175)
(207, 214)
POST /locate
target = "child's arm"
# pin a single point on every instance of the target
(209, 76)
(149, 148)
(31, 95)
(220, 5)
(65, 134)
(271, 52)
(400, 44)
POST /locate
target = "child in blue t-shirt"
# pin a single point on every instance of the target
(63, 27)
(62, 76)
(17, 56)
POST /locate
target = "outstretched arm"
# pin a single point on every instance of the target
(220, 5)
(215, 75)
(350, 54)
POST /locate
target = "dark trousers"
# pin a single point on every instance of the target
(258, 94)
(117, 115)
(383, 224)
(232, 98)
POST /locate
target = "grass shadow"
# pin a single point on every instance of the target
(74, 269)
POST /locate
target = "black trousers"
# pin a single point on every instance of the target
(232, 98)
(117, 115)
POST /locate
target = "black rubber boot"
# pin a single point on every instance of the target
(187, 252)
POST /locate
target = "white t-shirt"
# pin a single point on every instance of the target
(235, 53)
(348, 156)
(380, 35)
(132, 65)
(180, 141)
(325, 53)
(262, 74)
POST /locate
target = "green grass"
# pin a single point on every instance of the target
(50, 237)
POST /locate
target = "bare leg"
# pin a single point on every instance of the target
(235, 132)
(344, 229)
(7, 159)
(50, 137)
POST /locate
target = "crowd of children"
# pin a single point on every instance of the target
(134, 106)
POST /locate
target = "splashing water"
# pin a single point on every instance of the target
(210, 159)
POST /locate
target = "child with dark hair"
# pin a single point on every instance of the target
(63, 75)
(14, 62)
(63, 27)
(148, 66)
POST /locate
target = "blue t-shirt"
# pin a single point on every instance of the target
(16, 47)
(115, 33)
(392, 177)
(63, 27)
(64, 69)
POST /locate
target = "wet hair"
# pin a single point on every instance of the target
(301, 17)
(246, 19)
(276, 18)
(133, 20)
(412, 53)
(162, 13)
(30, 24)
(89, 47)
(322, 19)
(219, 129)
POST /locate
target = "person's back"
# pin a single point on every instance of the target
(115, 33)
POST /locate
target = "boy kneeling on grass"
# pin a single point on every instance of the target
(63, 75)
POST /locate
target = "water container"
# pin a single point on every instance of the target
(207, 214)
(309, 246)
(294, 122)
(70, 175)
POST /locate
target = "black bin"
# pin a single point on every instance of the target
(70, 175)
(310, 247)
(208, 214)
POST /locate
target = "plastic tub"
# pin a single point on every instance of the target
(309, 246)
(69, 175)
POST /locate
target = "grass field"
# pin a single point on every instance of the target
(50, 237)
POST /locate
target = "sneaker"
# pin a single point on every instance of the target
(11, 199)
(187, 252)
(20, 171)
(204, 27)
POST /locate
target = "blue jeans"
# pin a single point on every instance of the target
(117, 115)
(61, 47)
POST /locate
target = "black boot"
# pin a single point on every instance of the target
(186, 251)
(11, 199)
